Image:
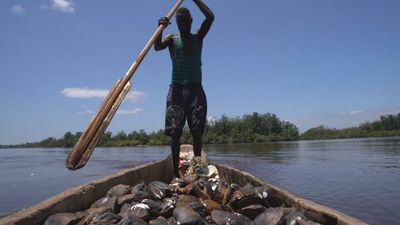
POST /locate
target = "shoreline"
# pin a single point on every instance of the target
(283, 141)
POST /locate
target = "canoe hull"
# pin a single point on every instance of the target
(80, 198)
(312, 210)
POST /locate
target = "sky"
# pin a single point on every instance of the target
(311, 62)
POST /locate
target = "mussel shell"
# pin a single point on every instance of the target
(100, 202)
(159, 221)
(318, 217)
(155, 206)
(188, 189)
(202, 171)
(222, 193)
(212, 171)
(91, 213)
(212, 205)
(262, 191)
(167, 207)
(127, 198)
(207, 220)
(187, 199)
(203, 202)
(202, 189)
(306, 222)
(268, 195)
(271, 216)
(175, 187)
(235, 187)
(125, 208)
(236, 196)
(252, 211)
(140, 187)
(119, 190)
(171, 221)
(105, 218)
(159, 185)
(64, 218)
(199, 207)
(140, 210)
(107, 202)
(158, 190)
(186, 216)
(180, 204)
(140, 195)
(131, 220)
(247, 201)
(226, 196)
(292, 217)
(223, 217)
(189, 178)
(198, 166)
(248, 190)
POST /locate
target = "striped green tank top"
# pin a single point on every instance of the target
(186, 69)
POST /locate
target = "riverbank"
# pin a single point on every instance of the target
(384, 134)
(254, 128)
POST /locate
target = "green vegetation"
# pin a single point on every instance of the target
(252, 128)
(386, 126)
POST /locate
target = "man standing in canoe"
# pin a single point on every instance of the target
(186, 99)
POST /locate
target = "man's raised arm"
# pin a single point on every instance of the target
(160, 44)
(206, 25)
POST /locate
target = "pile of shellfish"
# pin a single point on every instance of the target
(198, 197)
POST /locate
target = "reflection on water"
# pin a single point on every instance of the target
(360, 177)
(29, 176)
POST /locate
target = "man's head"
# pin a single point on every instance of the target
(184, 20)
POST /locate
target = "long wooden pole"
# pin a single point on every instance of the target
(87, 137)
(103, 126)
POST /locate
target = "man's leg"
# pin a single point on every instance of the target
(197, 143)
(197, 118)
(174, 122)
(175, 150)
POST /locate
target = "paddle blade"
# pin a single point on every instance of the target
(79, 155)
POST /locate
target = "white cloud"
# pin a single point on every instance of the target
(133, 111)
(353, 112)
(63, 5)
(135, 95)
(356, 112)
(88, 111)
(18, 9)
(129, 111)
(74, 92)
(84, 93)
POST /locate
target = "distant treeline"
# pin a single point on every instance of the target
(387, 125)
(254, 128)
(245, 129)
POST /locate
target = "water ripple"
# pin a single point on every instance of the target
(360, 177)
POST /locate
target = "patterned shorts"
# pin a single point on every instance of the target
(185, 103)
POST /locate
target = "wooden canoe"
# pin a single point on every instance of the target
(80, 198)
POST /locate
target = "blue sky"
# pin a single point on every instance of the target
(310, 62)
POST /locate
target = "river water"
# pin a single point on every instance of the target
(360, 177)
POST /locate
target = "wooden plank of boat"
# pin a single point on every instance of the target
(80, 198)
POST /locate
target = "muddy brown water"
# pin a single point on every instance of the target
(360, 177)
